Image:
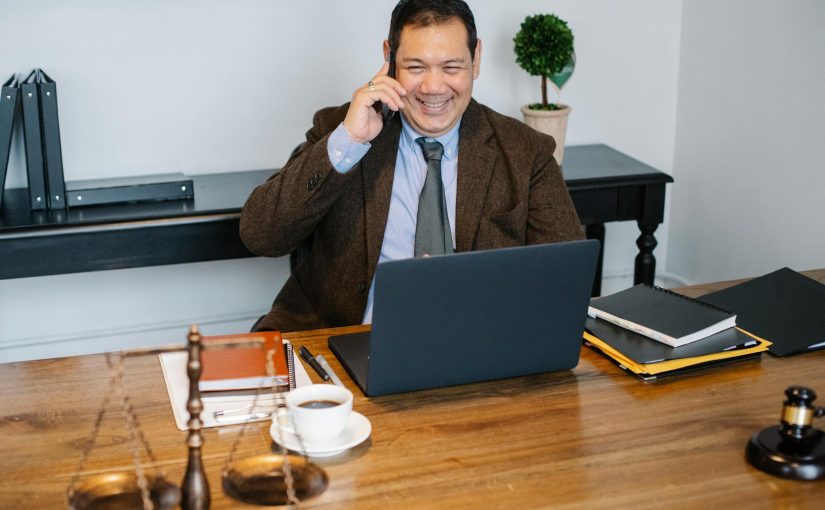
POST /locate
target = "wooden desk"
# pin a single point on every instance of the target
(593, 437)
(605, 184)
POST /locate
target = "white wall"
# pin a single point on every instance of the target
(113, 310)
(750, 140)
(199, 86)
(623, 92)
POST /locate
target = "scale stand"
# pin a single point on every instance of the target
(195, 487)
(793, 449)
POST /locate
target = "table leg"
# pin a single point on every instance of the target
(596, 231)
(645, 270)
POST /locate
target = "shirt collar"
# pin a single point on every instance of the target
(448, 140)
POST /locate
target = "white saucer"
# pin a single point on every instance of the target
(358, 429)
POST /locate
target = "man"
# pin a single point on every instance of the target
(356, 188)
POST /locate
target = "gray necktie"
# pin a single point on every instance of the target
(432, 228)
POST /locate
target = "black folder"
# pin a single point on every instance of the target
(8, 108)
(785, 307)
(117, 190)
(644, 350)
(53, 157)
(33, 142)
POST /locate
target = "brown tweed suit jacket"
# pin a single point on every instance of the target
(510, 192)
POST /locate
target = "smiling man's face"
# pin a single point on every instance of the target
(436, 68)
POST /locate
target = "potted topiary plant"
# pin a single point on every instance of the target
(544, 47)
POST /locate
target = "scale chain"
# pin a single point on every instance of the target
(292, 500)
(87, 449)
(132, 440)
(280, 405)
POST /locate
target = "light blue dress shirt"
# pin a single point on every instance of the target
(410, 172)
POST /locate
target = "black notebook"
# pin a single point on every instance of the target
(662, 315)
(784, 306)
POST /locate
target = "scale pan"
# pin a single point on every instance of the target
(259, 480)
(120, 491)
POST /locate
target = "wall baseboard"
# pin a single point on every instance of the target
(614, 281)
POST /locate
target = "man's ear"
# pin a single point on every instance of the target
(477, 59)
(386, 50)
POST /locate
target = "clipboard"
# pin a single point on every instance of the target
(173, 365)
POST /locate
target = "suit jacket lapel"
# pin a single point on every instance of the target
(476, 159)
(377, 172)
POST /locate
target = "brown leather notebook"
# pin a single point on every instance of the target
(243, 368)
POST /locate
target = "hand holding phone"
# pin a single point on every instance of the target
(363, 122)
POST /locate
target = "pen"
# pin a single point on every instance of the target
(307, 356)
(323, 362)
(240, 418)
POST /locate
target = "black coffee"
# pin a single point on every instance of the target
(319, 404)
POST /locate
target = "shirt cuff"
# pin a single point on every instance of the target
(343, 153)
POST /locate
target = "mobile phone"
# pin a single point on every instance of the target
(385, 110)
(391, 70)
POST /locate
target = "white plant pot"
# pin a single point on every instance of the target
(551, 122)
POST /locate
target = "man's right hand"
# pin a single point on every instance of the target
(363, 122)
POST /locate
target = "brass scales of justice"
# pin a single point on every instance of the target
(268, 479)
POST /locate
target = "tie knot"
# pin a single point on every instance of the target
(432, 150)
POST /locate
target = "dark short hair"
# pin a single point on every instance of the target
(423, 13)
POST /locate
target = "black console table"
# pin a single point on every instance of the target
(605, 184)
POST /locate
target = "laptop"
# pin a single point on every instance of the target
(472, 316)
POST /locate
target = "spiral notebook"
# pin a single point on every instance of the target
(661, 315)
(245, 367)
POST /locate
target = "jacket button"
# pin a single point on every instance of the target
(362, 286)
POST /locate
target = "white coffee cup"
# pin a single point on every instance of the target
(317, 412)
